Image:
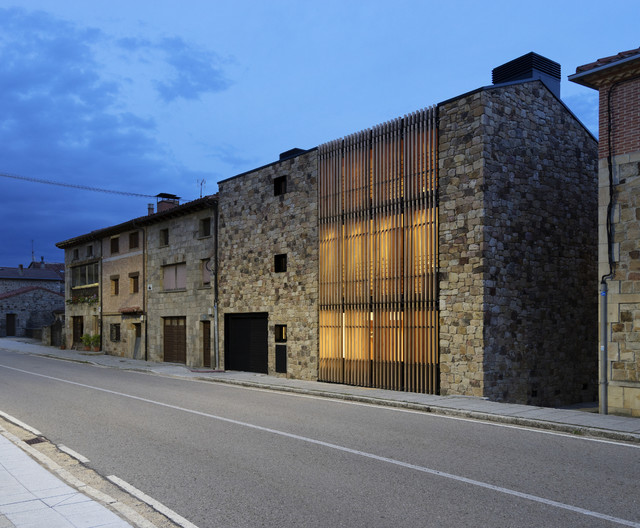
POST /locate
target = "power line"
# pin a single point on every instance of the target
(74, 186)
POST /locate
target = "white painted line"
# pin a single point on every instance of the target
(167, 512)
(11, 419)
(435, 472)
(437, 415)
(73, 454)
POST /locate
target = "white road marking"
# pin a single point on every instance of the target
(14, 420)
(73, 454)
(435, 472)
(167, 512)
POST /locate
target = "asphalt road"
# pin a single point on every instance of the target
(229, 456)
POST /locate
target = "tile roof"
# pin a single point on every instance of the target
(29, 274)
(608, 60)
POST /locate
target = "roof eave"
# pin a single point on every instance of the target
(583, 77)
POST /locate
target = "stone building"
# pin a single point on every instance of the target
(268, 268)
(617, 78)
(121, 287)
(180, 283)
(451, 251)
(28, 299)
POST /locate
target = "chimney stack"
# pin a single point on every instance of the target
(528, 68)
(150, 210)
(42, 262)
(167, 201)
(20, 270)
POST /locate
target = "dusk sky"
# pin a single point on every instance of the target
(155, 96)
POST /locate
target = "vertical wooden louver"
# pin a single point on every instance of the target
(378, 256)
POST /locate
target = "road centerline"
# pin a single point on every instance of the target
(344, 449)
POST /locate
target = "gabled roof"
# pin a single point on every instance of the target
(29, 274)
(136, 223)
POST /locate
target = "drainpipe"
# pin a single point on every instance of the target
(603, 348)
(216, 343)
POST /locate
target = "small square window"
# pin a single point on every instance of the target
(280, 263)
(204, 229)
(115, 285)
(281, 333)
(115, 245)
(134, 240)
(164, 237)
(279, 185)
(114, 332)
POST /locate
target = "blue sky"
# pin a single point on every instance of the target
(156, 96)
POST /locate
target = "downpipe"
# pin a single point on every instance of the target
(603, 349)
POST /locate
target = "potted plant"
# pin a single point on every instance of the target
(63, 342)
(86, 341)
(95, 343)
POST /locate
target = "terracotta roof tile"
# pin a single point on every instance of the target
(608, 60)
(27, 289)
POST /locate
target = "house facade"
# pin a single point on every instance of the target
(180, 284)
(446, 251)
(617, 78)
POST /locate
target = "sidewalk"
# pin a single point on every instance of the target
(568, 420)
(32, 497)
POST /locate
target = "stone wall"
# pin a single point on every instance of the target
(623, 313)
(38, 303)
(195, 301)
(255, 225)
(517, 245)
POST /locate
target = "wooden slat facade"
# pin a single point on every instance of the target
(379, 255)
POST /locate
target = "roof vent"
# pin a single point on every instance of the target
(529, 67)
(291, 153)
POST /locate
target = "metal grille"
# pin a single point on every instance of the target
(378, 256)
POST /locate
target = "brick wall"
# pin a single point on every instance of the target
(625, 130)
(254, 226)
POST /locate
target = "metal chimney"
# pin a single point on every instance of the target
(530, 67)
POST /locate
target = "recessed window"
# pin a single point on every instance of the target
(174, 277)
(164, 237)
(114, 332)
(115, 245)
(280, 263)
(206, 272)
(76, 254)
(115, 285)
(279, 185)
(204, 229)
(134, 282)
(134, 240)
(89, 251)
(281, 333)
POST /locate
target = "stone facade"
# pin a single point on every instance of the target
(122, 288)
(82, 290)
(517, 239)
(177, 240)
(255, 224)
(31, 308)
(617, 78)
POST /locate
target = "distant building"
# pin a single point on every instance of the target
(617, 78)
(28, 298)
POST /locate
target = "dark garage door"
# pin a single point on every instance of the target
(246, 342)
(175, 340)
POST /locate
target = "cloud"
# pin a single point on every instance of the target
(192, 71)
(64, 116)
